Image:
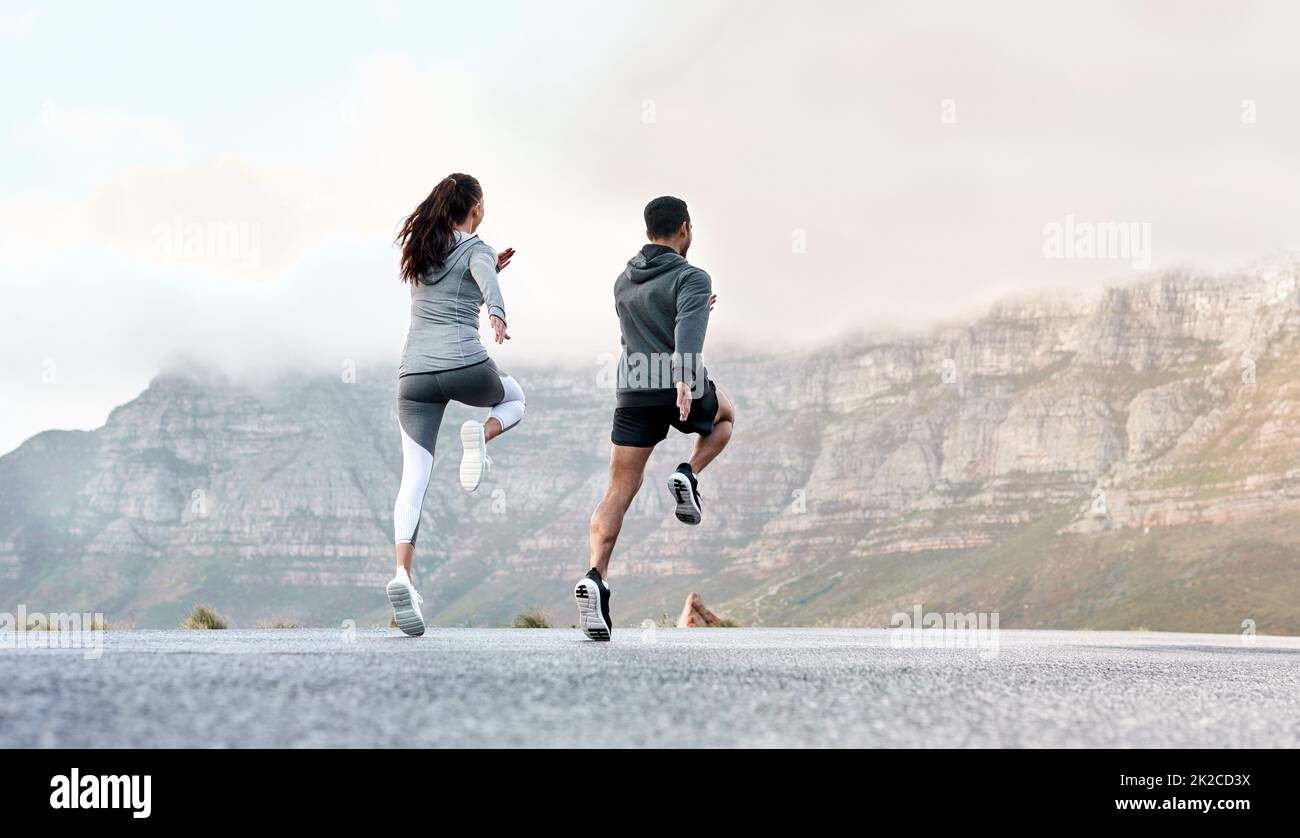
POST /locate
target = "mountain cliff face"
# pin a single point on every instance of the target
(1122, 461)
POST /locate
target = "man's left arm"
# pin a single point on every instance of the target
(693, 296)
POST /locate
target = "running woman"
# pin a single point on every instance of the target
(452, 274)
(663, 305)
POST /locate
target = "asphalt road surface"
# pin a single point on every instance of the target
(661, 687)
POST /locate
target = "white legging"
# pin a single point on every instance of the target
(511, 409)
(421, 401)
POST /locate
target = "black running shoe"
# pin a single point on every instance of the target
(592, 595)
(686, 493)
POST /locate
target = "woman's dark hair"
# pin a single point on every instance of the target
(427, 234)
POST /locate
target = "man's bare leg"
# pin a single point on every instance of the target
(708, 447)
(626, 471)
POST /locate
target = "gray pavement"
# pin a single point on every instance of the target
(666, 687)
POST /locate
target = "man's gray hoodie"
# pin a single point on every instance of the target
(663, 312)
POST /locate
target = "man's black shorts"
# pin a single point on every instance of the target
(646, 427)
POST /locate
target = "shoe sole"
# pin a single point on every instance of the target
(471, 461)
(405, 610)
(688, 511)
(587, 594)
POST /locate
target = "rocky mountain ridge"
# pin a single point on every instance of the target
(1118, 461)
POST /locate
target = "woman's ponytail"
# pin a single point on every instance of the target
(428, 235)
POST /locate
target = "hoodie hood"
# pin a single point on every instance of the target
(641, 269)
(455, 261)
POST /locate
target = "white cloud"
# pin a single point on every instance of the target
(23, 24)
(110, 135)
(353, 173)
(767, 124)
(227, 216)
(36, 232)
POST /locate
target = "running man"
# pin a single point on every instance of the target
(452, 275)
(663, 305)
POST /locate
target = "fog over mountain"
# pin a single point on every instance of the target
(902, 160)
(1120, 460)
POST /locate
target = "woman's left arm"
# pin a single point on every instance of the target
(483, 268)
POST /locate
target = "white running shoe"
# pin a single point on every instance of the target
(474, 463)
(406, 601)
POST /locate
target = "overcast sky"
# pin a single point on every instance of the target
(221, 182)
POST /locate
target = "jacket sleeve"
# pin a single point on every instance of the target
(483, 268)
(693, 293)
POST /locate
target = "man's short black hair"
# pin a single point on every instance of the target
(665, 216)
